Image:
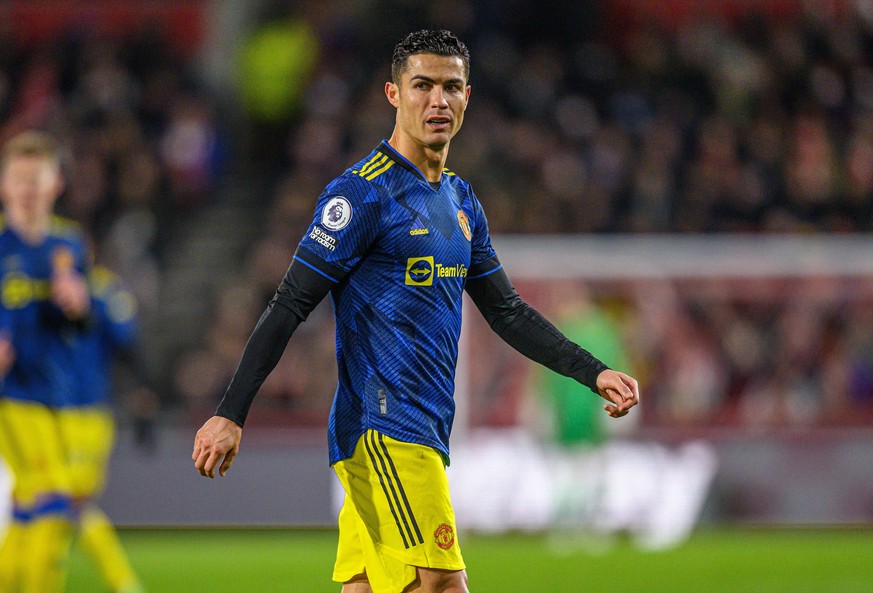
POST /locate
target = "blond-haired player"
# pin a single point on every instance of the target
(44, 300)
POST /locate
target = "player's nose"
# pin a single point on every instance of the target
(438, 97)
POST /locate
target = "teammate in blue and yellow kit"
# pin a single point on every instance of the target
(45, 303)
(87, 423)
(395, 241)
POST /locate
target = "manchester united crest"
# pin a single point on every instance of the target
(444, 536)
(465, 225)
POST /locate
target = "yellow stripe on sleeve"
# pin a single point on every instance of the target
(377, 172)
(372, 164)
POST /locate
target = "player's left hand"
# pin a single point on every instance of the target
(621, 390)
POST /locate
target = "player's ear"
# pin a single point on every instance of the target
(392, 91)
(59, 185)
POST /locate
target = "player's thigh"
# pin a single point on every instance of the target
(9, 448)
(33, 434)
(88, 436)
(357, 584)
(427, 581)
(431, 580)
(397, 514)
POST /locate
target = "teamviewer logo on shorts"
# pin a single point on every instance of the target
(419, 271)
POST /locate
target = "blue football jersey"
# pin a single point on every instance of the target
(400, 251)
(41, 335)
(112, 329)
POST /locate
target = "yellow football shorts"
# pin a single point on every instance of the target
(397, 514)
(89, 433)
(32, 446)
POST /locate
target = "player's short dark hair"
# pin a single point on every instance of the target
(31, 143)
(440, 43)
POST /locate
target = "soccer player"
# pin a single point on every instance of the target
(44, 303)
(395, 240)
(87, 424)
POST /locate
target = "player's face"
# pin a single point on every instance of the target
(431, 99)
(29, 186)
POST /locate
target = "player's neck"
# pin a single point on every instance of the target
(428, 160)
(31, 229)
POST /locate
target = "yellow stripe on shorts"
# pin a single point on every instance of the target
(398, 503)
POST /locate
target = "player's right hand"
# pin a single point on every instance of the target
(7, 353)
(216, 441)
(69, 292)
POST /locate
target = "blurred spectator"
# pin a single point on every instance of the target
(577, 421)
(191, 150)
(276, 62)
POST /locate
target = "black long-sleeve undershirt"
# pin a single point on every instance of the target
(302, 288)
(525, 329)
(298, 294)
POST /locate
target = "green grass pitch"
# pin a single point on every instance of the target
(712, 561)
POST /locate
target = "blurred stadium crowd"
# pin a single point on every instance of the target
(582, 119)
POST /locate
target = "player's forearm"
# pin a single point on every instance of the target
(525, 329)
(259, 358)
(299, 293)
(531, 334)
